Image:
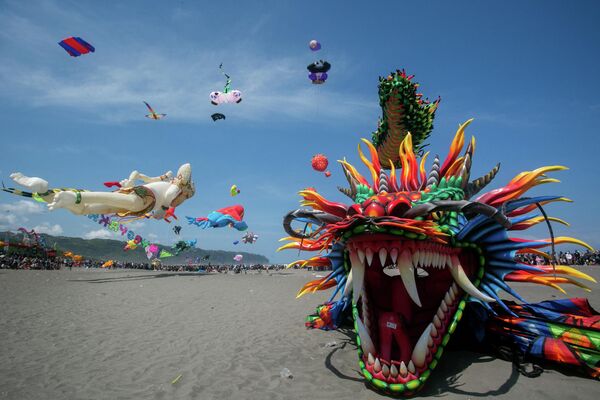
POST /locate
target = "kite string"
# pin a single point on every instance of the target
(553, 256)
(228, 82)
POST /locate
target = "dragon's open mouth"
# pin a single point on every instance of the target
(406, 294)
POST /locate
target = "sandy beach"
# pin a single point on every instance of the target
(89, 334)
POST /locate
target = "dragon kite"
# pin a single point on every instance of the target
(418, 247)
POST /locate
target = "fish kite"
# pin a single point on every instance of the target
(228, 216)
(153, 114)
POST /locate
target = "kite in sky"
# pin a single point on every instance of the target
(153, 114)
(228, 216)
(76, 46)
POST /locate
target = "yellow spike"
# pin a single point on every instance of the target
(566, 270)
(288, 246)
(546, 180)
(567, 239)
(422, 173)
(374, 174)
(290, 265)
(539, 219)
(555, 286)
(353, 171)
(565, 199)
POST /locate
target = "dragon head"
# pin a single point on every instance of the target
(413, 249)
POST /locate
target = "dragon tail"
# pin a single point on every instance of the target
(565, 331)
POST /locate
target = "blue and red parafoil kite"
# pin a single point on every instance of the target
(76, 46)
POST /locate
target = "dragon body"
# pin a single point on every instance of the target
(415, 246)
(404, 111)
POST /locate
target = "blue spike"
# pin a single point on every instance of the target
(495, 235)
(483, 303)
(472, 224)
(337, 289)
(503, 285)
(491, 292)
(525, 202)
(484, 232)
(512, 246)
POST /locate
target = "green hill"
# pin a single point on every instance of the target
(108, 249)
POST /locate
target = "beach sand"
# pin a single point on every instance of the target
(85, 334)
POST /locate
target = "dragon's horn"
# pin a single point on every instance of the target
(434, 174)
(465, 171)
(383, 182)
(475, 186)
(352, 191)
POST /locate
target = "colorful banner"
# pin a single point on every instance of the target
(115, 226)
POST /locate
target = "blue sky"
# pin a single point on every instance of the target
(526, 71)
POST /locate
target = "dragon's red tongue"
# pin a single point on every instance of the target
(391, 326)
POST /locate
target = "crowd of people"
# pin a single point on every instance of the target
(41, 262)
(563, 258)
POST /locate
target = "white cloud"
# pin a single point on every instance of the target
(98, 234)
(45, 227)
(7, 221)
(22, 207)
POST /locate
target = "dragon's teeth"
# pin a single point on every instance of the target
(407, 273)
(369, 254)
(444, 306)
(415, 258)
(411, 367)
(348, 283)
(440, 314)
(358, 277)
(437, 321)
(461, 278)
(403, 369)
(370, 359)
(366, 343)
(421, 273)
(394, 255)
(393, 371)
(454, 289)
(420, 350)
(361, 255)
(377, 366)
(448, 298)
(382, 256)
(385, 370)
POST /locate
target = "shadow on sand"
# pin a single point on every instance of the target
(444, 381)
(129, 278)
